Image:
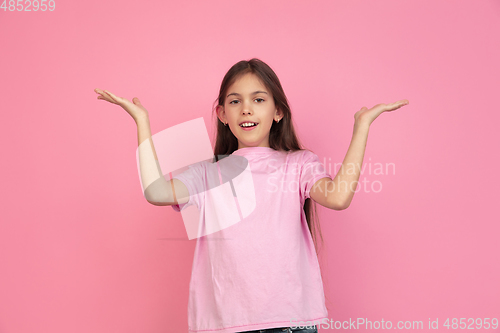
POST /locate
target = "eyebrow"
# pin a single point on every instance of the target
(254, 93)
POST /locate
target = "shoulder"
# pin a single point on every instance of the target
(304, 156)
(297, 153)
(195, 171)
(201, 165)
(302, 159)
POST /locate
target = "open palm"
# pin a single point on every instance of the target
(366, 115)
(134, 108)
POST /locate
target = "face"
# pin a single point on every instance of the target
(248, 100)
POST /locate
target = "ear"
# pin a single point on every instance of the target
(278, 114)
(221, 114)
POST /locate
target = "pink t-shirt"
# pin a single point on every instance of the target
(263, 271)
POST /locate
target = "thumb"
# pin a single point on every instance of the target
(136, 101)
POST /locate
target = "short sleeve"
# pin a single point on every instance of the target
(193, 179)
(312, 170)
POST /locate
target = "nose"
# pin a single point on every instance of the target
(247, 109)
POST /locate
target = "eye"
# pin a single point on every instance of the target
(233, 101)
(261, 99)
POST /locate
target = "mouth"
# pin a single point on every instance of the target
(248, 126)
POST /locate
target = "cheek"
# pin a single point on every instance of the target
(228, 111)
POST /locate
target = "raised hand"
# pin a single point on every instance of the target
(135, 109)
(367, 116)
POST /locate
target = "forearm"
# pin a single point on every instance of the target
(143, 130)
(346, 180)
(156, 188)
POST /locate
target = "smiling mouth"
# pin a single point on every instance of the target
(249, 126)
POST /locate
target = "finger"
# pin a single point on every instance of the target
(104, 96)
(392, 106)
(100, 92)
(398, 104)
(136, 101)
(116, 98)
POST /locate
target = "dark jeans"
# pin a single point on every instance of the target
(304, 329)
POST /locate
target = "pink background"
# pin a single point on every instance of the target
(81, 250)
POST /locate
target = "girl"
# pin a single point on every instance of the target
(262, 273)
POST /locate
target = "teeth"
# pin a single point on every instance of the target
(247, 124)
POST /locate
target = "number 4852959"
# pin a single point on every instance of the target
(473, 324)
(28, 5)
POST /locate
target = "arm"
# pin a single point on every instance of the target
(337, 194)
(157, 190)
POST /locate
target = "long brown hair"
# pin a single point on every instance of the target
(282, 135)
